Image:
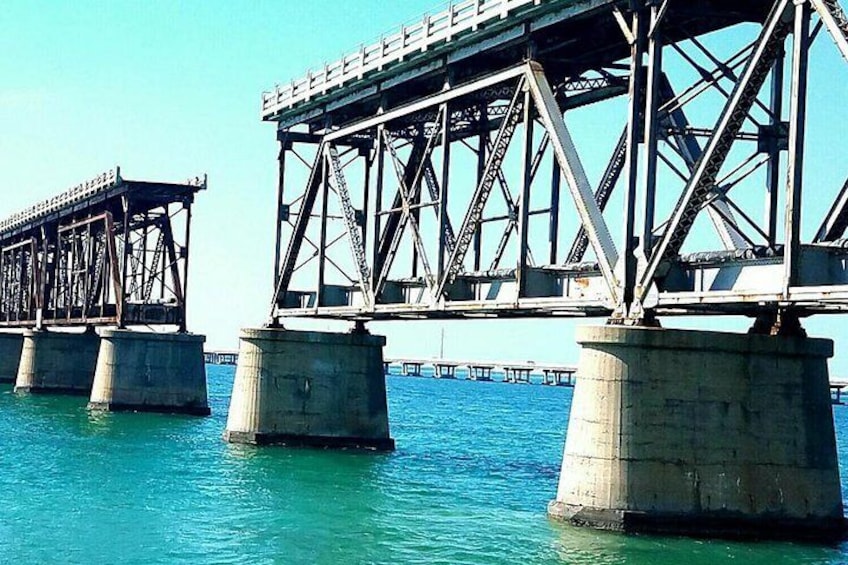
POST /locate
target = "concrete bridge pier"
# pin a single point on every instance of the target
(702, 433)
(57, 362)
(11, 345)
(303, 388)
(150, 372)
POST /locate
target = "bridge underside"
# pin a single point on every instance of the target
(567, 37)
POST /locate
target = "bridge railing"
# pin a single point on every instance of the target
(432, 29)
(76, 194)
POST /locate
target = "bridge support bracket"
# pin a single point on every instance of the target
(701, 433)
(786, 323)
(310, 389)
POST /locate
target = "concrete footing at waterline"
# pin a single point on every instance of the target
(701, 433)
(11, 345)
(313, 389)
(150, 372)
(57, 362)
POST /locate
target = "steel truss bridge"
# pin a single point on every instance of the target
(110, 251)
(437, 173)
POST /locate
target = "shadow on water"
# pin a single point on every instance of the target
(580, 546)
(69, 415)
(301, 505)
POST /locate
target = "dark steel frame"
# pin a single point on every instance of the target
(502, 92)
(112, 258)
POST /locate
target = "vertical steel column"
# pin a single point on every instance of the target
(652, 101)
(443, 189)
(322, 240)
(35, 272)
(527, 179)
(104, 269)
(42, 283)
(284, 146)
(145, 230)
(163, 219)
(73, 275)
(483, 143)
(378, 204)
(21, 275)
(414, 199)
(4, 287)
(57, 274)
(366, 195)
(4, 284)
(89, 273)
(184, 322)
(634, 135)
(125, 256)
(553, 227)
(797, 122)
(164, 225)
(773, 170)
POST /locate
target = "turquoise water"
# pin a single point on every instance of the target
(475, 467)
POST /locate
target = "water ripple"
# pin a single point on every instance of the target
(475, 467)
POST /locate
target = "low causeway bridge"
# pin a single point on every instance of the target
(513, 372)
(112, 254)
(448, 171)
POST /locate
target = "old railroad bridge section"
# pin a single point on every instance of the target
(112, 254)
(450, 170)
(444, 172)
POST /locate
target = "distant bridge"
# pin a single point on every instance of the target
(228, 357)
(110, 251)
(513, 372)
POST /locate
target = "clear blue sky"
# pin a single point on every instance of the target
(172, 89)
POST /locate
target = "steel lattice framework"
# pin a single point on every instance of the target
(448, 126)
(106, 252)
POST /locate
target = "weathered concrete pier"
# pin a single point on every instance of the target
(147, 372)
(312, 389)
(57, 362)
(11, 346)
(108, 253)
(701, 432)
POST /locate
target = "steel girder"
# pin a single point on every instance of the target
(636, 269)
(113, 258)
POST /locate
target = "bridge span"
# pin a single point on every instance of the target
(110, 253)
(444, 172)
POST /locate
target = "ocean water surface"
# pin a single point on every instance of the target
(475, 467)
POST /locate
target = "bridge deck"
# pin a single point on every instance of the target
(474, 38)
(103, 192)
